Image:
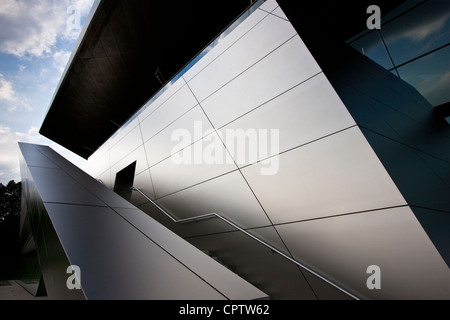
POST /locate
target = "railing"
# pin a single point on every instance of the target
(216, 215)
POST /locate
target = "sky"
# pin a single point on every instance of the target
(417, 32)
(36, 40)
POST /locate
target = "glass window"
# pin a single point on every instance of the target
(430, 75)
(372, 46)
(424, 28)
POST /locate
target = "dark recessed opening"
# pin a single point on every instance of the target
(124, 181)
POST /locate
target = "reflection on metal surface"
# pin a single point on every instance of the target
(298, 112)
(97, 236)
(251, 48)
(371, 45)
(390, 238)
(264, 76)
(413, 43)
(249, 89)
(216, 215)
(429, 75)
(404, 131)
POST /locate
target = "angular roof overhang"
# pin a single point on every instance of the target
(111, 72)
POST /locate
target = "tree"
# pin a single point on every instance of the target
(10, 197)
(10, 201)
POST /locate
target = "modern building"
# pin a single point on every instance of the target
(278, 150)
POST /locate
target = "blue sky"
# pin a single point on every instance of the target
(36, 40)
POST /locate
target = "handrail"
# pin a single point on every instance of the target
(216, 215)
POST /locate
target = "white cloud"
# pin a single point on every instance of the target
(10, 99)
(30, 28)
(419, 27)
(38, 33)
(7, 92)
(423, 30)
(60, 59)
(9, 155)
(435, 88)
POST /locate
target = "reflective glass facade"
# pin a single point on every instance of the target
(414, 43)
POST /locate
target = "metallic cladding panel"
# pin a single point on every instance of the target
(174, 107)
(162, 146)
(121, 46)
(264, 268)
(228, 194)
(257, 264)
(122, 253)
(327, 170)
(159, 100)
(127, 144)
(344, 246)
(306, 112)
(249, 89)
(118, 262)
(67, 192)
(137, 155)
(334, 175)
(401, 126)
(215, 274)
(224, 42)
(432, 192)
(185, 230)
(144, 182)
(269, 6)
(250, 49)
(169, 177)
(52, 258)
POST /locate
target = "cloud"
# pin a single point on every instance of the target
(9, 156)
(435, 88)
(35, 35)
(11, 100)
(424, 30)
(417, 26)
(7, 92)
(60, 59)
(30, 28)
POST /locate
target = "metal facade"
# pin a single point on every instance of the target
(348, 178)
(332, 205)
(121, 252)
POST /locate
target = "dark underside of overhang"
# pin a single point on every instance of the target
(112, 73)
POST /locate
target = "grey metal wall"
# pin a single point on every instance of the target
(121, 252)
(331, 205)
(410, 138)
(37, 228)
(411, 141)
